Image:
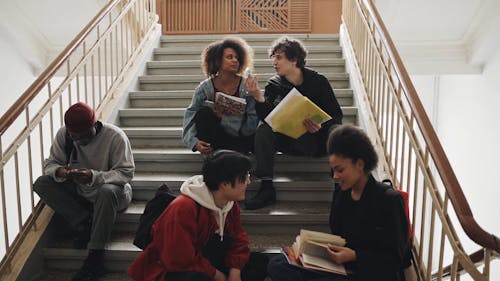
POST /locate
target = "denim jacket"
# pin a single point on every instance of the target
(235, 125)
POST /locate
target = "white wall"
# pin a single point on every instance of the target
(15, 78)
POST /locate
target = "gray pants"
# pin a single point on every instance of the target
(63, 198)
(268, 142)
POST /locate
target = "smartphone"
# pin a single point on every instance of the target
(248, 73)
(76, 172)
(209, 103)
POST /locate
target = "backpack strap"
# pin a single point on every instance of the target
(69, 147)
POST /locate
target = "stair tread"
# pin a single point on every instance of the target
(278, 178)
(122, 242)
(257, 49)
(61, 275)
(278, 209)
(188, 63)
(189, 93)
(199, 77)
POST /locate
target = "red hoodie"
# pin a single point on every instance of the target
(179, 235)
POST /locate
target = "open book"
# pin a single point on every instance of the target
(288, 116)
(229, 105)
(309, 251)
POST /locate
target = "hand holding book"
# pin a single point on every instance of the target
(311, 250)
(289, 116)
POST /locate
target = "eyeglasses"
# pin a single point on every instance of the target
(245, 177)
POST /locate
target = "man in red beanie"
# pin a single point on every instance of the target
(87, 181)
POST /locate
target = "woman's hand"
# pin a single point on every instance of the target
(219, 276)
(341, 254)
(252, 86)
(234, 275)
(204, 148)
(311, 126)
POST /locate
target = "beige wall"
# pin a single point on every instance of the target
(325, 16)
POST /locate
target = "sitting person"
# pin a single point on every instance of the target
(289, 62)
(370, 215)
(206, 126)
(199, 236)
(87, 181)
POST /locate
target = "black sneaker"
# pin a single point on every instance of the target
(265, 196)
(89, 272)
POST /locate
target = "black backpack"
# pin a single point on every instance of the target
(154, 208)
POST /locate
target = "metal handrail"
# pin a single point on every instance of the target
(411, 153)
(93, 68)
(453, 188)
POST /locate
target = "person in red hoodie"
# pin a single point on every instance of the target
(199, 236)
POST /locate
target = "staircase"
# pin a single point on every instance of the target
(153, 122)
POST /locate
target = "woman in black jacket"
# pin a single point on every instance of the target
(368, 214)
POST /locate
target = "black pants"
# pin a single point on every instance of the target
(215, 251)
(209, 130)
(268, 142)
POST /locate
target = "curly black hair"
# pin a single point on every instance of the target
(293, 48)
(351, 142)
(211, 57)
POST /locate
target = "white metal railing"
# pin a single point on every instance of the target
(413, 156)
(91, 69)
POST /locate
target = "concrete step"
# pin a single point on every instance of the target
(173, 117)
(65, 275)
(154, 137)
(184, 160)
(298, 187)
(260, 52)
(252, 39)
(182, 98)
(260, 66)
(281, 218)
(190, 82)
(120, 253)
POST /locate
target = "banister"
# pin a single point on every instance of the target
(17, 108)
(450, 181)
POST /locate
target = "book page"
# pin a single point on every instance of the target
(288, 116)
(324, 264)
(321, 237)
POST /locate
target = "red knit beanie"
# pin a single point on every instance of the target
(79, 118)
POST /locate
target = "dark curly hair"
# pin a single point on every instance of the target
(293, 48)
(211, 57)
(351, 142)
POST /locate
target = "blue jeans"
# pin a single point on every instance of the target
(280, 270)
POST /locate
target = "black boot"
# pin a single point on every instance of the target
(93, 267)
(265, 196)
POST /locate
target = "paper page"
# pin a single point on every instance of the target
(322, 263)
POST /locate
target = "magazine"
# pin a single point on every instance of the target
(288, 116)
(229, 105)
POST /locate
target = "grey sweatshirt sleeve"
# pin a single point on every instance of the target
(57, 156)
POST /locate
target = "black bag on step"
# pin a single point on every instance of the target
(153, 210)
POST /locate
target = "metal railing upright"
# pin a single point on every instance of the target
(90, 69)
